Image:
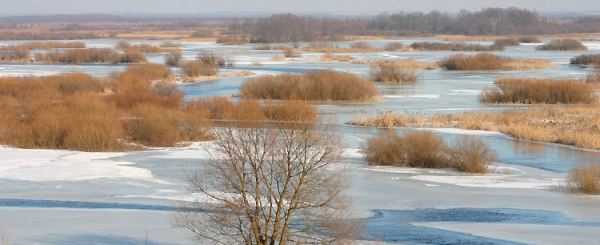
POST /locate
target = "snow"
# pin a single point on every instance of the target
(490, 181)
(416, 96)
(60, 165)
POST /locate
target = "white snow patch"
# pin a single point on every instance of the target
(61, 165)
(489, 181)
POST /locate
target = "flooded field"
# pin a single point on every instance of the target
(126, 198)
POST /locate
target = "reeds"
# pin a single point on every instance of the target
(563, 45)
(584, 179)
(487, 61)
(326, 85)
(539, 91)
(433, 46)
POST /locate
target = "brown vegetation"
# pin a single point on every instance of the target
(80, 112)
(584, 179)
(392, 72)
(92, 55)
(508, 42)
(291, 53)
(45, 35)
(326, 47)
(147, 48)
(213, 59)
(14, 55)
(327, 57)
(393, 46)
(192, 69)
(539, 91)
(173, 59)
(573, 125)
(326, 85)
(586, 59)
(427, 150)
(486, 61)
(45, 46)
(563, 45)
(429, 46)
(529, 39)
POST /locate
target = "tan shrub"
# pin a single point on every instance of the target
(471, 155)
(384, 150)
(584, 179)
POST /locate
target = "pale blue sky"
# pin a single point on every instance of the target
(8, 7)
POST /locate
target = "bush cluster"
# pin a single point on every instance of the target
(325, 85)
(92, 55)
(586, 59)
(483, 61)
(393, 46)
(563, 45)
(392, 72)
(433, 46)
(427, 150)
(539, 91)
(584, 179)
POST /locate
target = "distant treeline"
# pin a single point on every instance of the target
(489, 21)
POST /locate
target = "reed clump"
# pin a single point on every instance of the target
(393, 46)
(314, 86)
(427, 150)
(539, 91)
(434, 46)
(487, 61)
(586, 59)
(91, 55)
(563, 45)
(394, 72)
(584, 179)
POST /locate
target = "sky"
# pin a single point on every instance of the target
(20, 7)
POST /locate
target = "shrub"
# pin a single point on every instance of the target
(385, 150)
(169, 44)
(215, 59)
(291, 111)
(291, 53)
(92, 55)
(529, 39)
(202, 33)
(391, 72)
(429, 46)
(173, 59)
(483, 61)
(326, 85)
(425, 150)
(506, 42)
(471, 155)
(151, 125)
(361, 45)
(393, 46)
(539, 91)
(191, 69)
(586, 59)
(14, 55)
(584, 179)
(562, 45)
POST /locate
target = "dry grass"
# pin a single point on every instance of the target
(584, 179)
(586, 59)
(508, 42)
(324, 86)
(45, 46)
(193, 69)
(528, 39)
(279, 57)
(394, 71)
(325, 47)
(471, 155)
(328, 57)
(563, 45)
(573, 125)
(394, 46)
(540, 91)
(461, 38)
(427, 150)
(432, 46)
(92, 55)
(80, 112)
(486, 61)
(291, 53)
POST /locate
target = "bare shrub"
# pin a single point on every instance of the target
(291, 53)
(483, 61)
(391, 72)
(92, 55)
(393, 46)
(326, 85)
(169, 44)
(151, 125)
(340, 58)
(425, 150)
(385, 150)
(202, 33)
(471, 155)
(586, 59)
(361, 45)
(539, 91)
(14, 55)
(584, 179)
(529, 39)
(563, 45)
(191, 69)
(429, 46)
(506, 42)
(173, 59)
(293, 111)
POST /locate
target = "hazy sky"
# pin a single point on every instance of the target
(8, 7)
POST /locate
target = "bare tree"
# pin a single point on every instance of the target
(274, 183)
